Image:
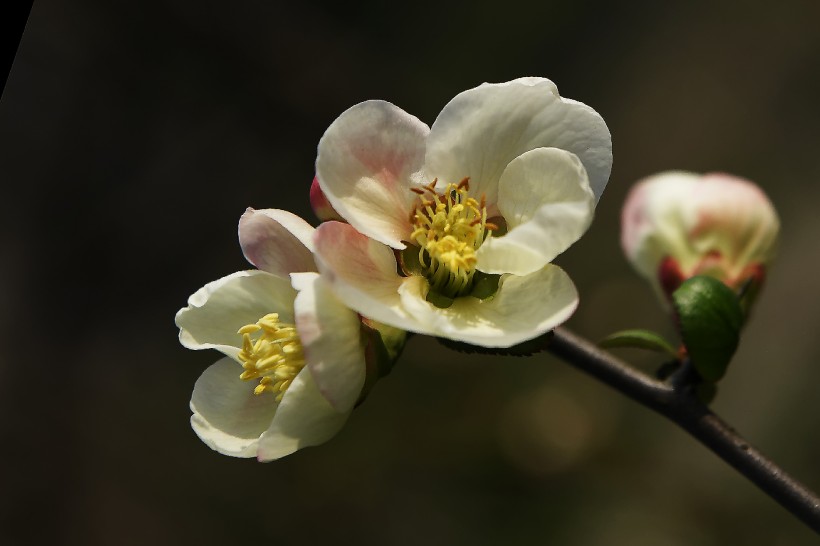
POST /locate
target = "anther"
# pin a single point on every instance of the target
(276, 354)
(249, 329)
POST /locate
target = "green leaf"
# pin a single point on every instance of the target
(639, 339)
(709, 319)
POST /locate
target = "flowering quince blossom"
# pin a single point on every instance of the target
(294, 363)
(676, 225)
(474, 209)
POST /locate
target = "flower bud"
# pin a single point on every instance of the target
(321, 206)
(675, 225)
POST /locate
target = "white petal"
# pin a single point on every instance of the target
(276, 241)
(332, 341)
(362, 274)
(545, 198)
(744, 213)
(368, 160)
(304, 418)
(481, 130)
(220, 308)
(228, 417)
(654, 221)
(523, 308)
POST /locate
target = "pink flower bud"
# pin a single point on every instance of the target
(321, 206)
(676, 225)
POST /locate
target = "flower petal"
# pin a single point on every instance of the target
(362, 274)
(482, 129)
(655, 221)
(220, 308)
(304, 418)
(332, 341)
(228, 417)
(276, 241)
(522, 309)
(368, 159)
(740, 204)
(545, 198)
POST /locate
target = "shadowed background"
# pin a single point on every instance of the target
(133, 136)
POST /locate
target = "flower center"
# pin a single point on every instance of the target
(274, 357)
(449, 227)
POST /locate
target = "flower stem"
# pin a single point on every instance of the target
(677, 403)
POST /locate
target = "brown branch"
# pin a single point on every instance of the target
(677, 403)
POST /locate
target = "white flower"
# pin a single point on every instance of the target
(294, 365)
(676, 225)
(506, 179)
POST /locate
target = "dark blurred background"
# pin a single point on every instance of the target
(133, 135)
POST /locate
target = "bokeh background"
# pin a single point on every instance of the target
(133, 135)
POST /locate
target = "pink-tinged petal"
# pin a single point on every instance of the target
(368, 160)
(481, 130)
(742, 214)
(545, 198)
(227, 416)
(522, 309)
(276, 241)
(361, 273)
(654, 225)
(304, 418)
(331, 339)
(322, 208)
(217, 310)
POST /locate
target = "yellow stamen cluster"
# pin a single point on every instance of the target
(449, 228)
(274, 357)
